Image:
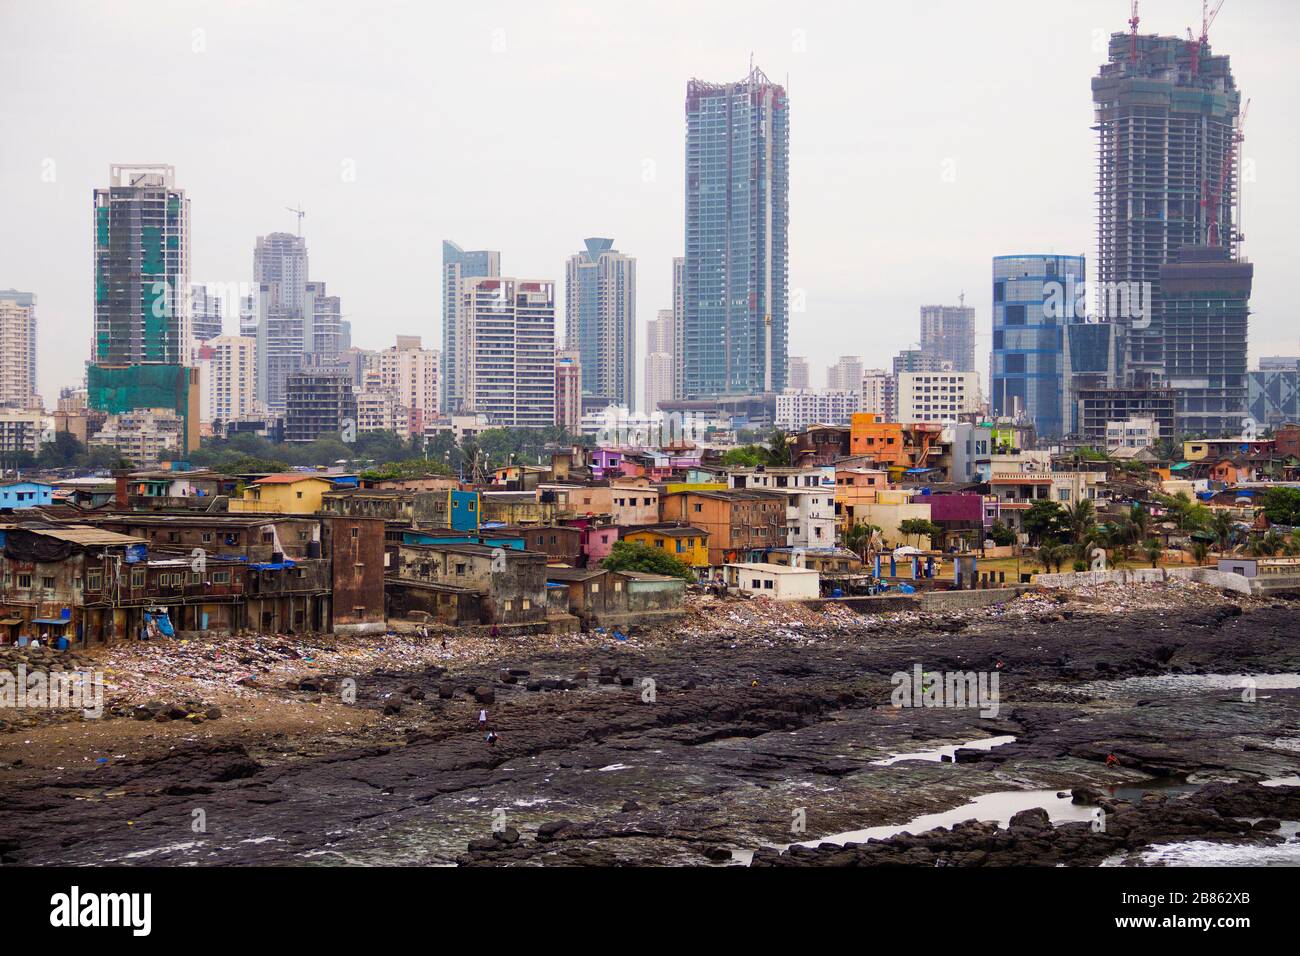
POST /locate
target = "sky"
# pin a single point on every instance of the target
(926, 138)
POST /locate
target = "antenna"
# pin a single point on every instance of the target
(299, 213)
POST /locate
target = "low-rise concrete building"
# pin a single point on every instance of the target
(773, 581)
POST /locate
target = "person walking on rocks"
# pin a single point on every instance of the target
(491, 738)
(482, 719)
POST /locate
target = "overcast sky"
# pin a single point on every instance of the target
(926, 137)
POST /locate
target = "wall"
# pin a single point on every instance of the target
(1210, 576)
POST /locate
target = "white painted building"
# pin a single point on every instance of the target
(810, 494)
(1134, 433)
(797, 408)
(510, 341)
(937, 396)
(774, 581)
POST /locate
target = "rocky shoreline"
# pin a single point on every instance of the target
(691, 746)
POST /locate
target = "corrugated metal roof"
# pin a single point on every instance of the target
(86, 535)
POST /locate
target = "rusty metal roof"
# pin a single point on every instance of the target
(86, 535)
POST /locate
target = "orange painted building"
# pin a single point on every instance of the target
(883, 441)
(737, 522)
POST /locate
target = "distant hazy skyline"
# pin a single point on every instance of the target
(926, 138)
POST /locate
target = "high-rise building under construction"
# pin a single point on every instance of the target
(141, 348)
(735, 332)
(1168, 118)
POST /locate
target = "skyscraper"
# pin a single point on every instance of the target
(410, 373)
(600, 320)
(228, 367)
(846, 374)
(298, 324)
(1167, 114)
(142, 297)
(1204, 301)
(457, 267)
(659, 363)
(206, 313)
(679, 326)
(568, 390)
(948, 333)
(1034, 298)
(797, 372)
(18, 350)
(735, 334)
(509, 340)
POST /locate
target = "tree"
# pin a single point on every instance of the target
(1282, 506)
(65, 451)
(1267, 545)
(1053, 555)
(1200, 551)
(636, 556)
(1001, 534)
(1082, 520)
(778, 448)
(1223, 527)
(747, 456)
(919, 527)
(1045, 519)
(1141, 519)
(858, 538)
(1153, 551)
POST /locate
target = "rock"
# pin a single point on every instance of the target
(629, 806)
(508, 835)
(1035, 818)
(1085, 795)
(392, 707)
(213, 713)
(717, 853)
(1266, 824)
(195, 718)
(552, 829)
(485, 695)
(446, 690)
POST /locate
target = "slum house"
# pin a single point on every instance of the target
(89, 585)
(448, 508)
(739, 523)
(511, 584)
(48, 572)
(165, 488)
(296, 493)
(354, 547)
(560, 544)
(684, 542)
(247, 537)
(389, 504)
(593, 592)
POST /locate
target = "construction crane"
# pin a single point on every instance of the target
(1197, 46)
(299, 213)
(1133, 35)
(1229, 161)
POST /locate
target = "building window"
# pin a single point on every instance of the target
(220, 577)
(24, 582)
(94, 580)
(137, 578)
(47, 582)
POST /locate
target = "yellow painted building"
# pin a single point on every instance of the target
(684, 543)
(291, 494)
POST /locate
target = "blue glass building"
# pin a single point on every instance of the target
(735, 331)
(1034, 298)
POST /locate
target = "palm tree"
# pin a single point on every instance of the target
(1082, 519)
(1223, 527)
(778, 448)
(1153, 551)
(858, 538)
(1141, 519)
(1200, 551)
